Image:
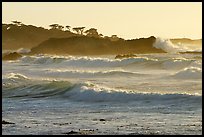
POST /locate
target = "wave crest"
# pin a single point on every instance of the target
(168, 46)
(87, 92)
(83, 61)
(189, 73)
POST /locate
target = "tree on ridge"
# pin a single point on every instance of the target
(68, 27)
(79, 30)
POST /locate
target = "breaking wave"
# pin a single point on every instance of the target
(82, 73)
(87, 92)
(79, 61)
(179, 63)
(42, 59)
(169, 47)
(189, 73)
(91, 62)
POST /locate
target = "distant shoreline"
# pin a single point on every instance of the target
(58, 41)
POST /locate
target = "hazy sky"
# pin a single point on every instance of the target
(125, 19)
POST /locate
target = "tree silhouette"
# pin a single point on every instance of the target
(76, 29)
(79, 30)
(60, 27)
(101, 35)
(92, 32)
(68, 27)
(114, 36)
(18, 23)
(54, 26)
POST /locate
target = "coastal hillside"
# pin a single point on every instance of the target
(15, 36)
(83, 45)
(76, 41)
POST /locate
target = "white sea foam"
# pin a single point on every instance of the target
(55, 86)
(87, 92)
(107, 71)
(168, 46)
(13, 80)
(14, 76)
(83, 61)
(63, 73)
(61, 63)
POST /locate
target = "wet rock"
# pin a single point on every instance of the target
(81, 132)
(125, 56)
(6, 122)
(12, 56)
(72, 132)
(61, 124)
(102, 119)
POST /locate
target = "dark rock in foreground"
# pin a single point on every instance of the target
(12, 56)
(81, 132)
(6, 122)
(191, 52)
(125, 56)
(102, 119)
(72, 132)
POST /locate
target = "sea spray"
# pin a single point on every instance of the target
(168, 46)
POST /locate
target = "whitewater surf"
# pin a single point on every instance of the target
(147, 94)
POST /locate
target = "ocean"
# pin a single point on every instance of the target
(100, 95)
